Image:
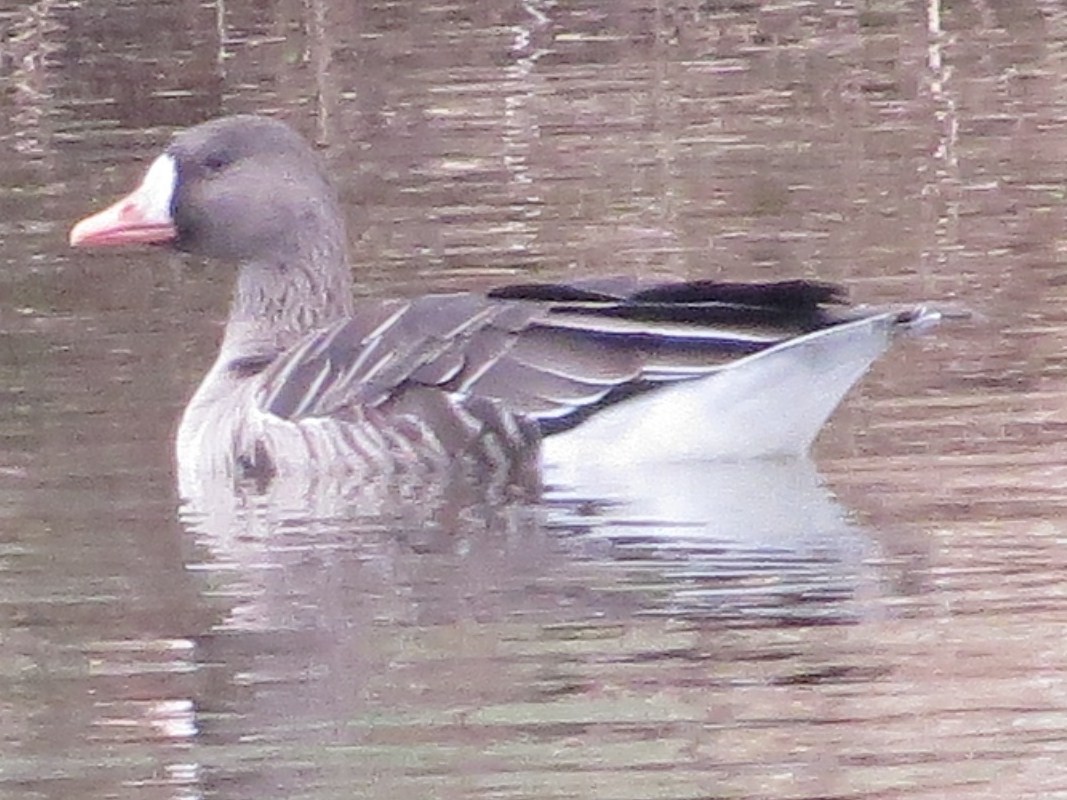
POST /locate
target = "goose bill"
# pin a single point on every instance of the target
(142, 216)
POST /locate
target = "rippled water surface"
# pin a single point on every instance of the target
(882, 622)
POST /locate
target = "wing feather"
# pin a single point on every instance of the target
(550, 353)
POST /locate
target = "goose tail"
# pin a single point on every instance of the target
(772, 403)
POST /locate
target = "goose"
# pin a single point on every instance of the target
(309, 378)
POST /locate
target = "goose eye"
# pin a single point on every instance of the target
(216, 163)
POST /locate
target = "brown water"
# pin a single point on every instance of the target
(882, 623)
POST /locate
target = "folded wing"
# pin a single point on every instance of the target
(545, 355)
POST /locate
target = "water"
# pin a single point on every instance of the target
(881, 622)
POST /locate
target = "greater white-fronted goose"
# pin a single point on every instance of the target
(307, 378)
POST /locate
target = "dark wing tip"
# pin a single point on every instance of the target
(791, 296)
(786, 295)
(550, 293)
